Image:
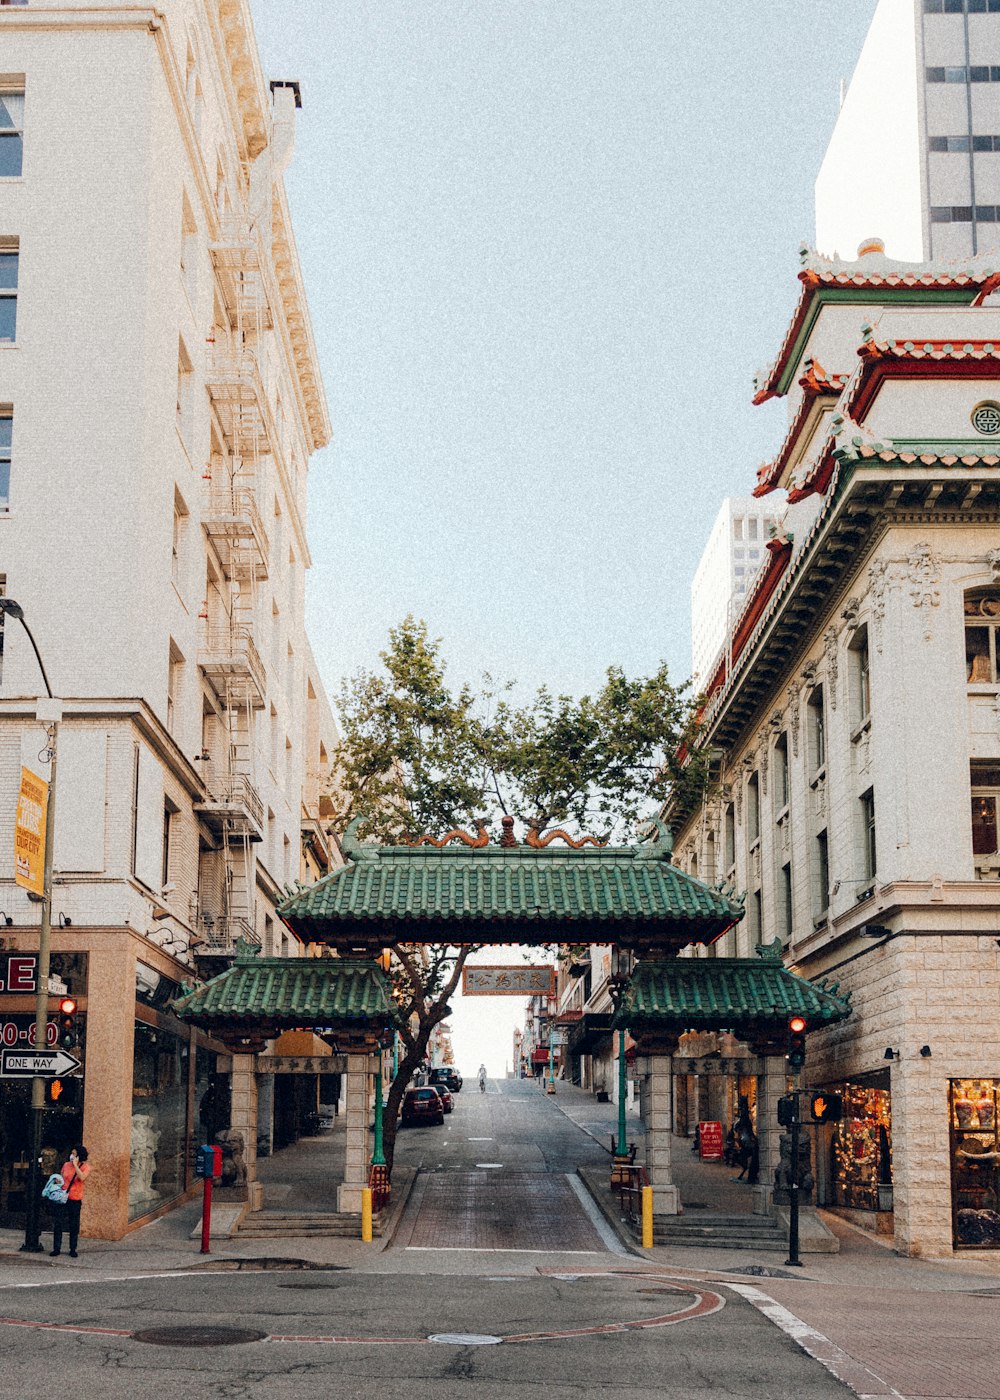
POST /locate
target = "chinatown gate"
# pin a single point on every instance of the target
(632, 897)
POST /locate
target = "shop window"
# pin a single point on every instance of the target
(861, 1147)
(159, 1137)
(982, 623)
(975, 1155)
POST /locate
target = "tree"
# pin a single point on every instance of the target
(417, 756)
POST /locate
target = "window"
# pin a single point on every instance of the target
(174, 678)
(8, 292)
(816, 729)
(184, 392)
(985, 782)
(177, 540)
(821, 872)
(752, 528)
(859, 662)
(755, 910)
(753, 809)
(868, 833)
(189, 253)
(167, 816)
(781, 787)
(956, 7)
(786, 902)
(982, 625)
(737, 528)
(6, 439)
(11, 130)
(3, 594)
(729, 838)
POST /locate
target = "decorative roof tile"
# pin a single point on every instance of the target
(873, 278)
(815, 382)
(738, 994)
(294, 992)
(509, 895)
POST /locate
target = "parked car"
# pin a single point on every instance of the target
(445, 1094)
(448, 1076)
(422, 1106)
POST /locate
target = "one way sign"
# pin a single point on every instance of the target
(45, 1064)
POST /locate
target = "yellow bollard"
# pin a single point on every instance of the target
(647, 1217)
(366, 1214)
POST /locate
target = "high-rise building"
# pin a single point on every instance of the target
(160, 398)
(915, 155)
(734, 552)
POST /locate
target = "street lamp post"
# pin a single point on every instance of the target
(621, 972)
(32, 1242)
(550, 1087)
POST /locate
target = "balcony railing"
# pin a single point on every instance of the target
(231, 651)
(219, 936)
(231, 797)
(233, 519)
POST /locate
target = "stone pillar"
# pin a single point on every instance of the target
(772, 1073)
(243, 1120)
(656, 1110)
(265, 1114)
(358, 1156)
(107, 1119)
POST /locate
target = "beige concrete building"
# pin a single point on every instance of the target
(160, 399)
(858, 740)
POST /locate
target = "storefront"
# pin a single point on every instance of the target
(975, 1163)
(860, 1146)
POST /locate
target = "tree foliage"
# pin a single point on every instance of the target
(417, 755)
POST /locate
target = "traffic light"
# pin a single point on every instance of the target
(53, 1091)
(826, 1108)
(786, 1110)
(796, 1042)
(68, 1034)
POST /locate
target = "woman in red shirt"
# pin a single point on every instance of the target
(74, 1175)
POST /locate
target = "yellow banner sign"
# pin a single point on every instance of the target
(29, 833)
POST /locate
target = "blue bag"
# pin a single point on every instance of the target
(55, 1191)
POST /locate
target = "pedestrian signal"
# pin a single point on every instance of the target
(826, 1108)
(786, 1110)
(797, 1042)
(53, 1090)
(68, 1034)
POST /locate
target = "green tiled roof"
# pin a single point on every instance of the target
(295, 992)
(726, 994)
(516, 894)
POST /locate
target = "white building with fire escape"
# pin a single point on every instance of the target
(160, 400)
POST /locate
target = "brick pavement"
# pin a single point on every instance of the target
(497, 1210)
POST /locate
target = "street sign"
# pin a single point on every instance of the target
(45, 1064)
(519, 980)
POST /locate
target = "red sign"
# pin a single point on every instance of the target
(17, 972)
(710, 1142)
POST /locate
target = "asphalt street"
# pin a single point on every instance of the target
(500, 1274)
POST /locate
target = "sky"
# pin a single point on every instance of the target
(546, 245)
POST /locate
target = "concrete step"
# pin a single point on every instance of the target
(758, 1233)
(261, 1225)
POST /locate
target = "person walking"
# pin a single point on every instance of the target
(67, 1216)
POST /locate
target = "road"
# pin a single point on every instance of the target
(499, 1277)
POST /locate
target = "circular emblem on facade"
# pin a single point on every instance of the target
(986, 418)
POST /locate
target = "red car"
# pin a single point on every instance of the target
(422, 1106)
(445, 1096)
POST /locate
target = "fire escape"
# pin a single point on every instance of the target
(228, 655)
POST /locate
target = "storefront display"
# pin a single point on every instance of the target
(861, 1145)
(975, 1163)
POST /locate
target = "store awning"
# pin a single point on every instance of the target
(540, 1054)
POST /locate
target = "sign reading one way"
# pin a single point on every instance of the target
(44, 1064)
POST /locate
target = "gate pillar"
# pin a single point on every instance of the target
(358, 1153)
(772, 1073)
(243, 1120)
(656, 1111)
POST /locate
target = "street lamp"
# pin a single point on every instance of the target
(621, 975)
(379, 1177)
(49, 715)
(550, 1087)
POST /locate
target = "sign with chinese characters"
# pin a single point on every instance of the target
(535, 980)
(29, 833)
(301, 1064)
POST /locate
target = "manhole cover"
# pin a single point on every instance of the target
(466, 1339)
(763, 1271)
(198, 1336)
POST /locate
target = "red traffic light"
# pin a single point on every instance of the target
(67, 1006)
(797, 1025)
